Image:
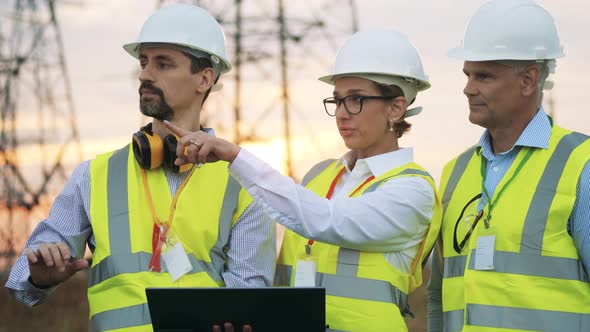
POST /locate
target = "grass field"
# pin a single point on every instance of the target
(65, 311)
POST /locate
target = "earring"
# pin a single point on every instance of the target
(391, 124)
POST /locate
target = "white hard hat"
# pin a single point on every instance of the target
(382, 55)
(509, 30)
(185, 25)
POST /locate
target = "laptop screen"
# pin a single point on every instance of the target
(265, 309)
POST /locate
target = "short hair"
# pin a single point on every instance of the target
(394, 91)
(199, 64)
(520, 66)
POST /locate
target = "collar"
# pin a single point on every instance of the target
(209, 131)
(381, 163)
(535, 135)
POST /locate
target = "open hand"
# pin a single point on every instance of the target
(50, 264)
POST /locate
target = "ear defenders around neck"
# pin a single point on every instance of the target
(151, 151)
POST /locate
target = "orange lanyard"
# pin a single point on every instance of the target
(161, 227)
(331, 192)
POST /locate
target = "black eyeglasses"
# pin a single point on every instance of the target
(465, 225)
(353, 104)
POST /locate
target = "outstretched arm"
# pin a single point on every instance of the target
(54, 242)
(392, 218)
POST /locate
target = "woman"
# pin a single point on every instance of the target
(361, 227)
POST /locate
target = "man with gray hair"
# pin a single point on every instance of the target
(514, 249)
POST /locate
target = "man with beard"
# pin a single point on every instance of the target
(147, 222)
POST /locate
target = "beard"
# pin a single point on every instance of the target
(150, 107)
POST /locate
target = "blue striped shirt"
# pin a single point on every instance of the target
(536, 135)
(251, 254)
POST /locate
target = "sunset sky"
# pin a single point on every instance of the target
(104, 79)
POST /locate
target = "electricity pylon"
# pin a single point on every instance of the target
(38, 125)
(272, 41)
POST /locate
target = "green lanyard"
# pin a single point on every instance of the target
(497, 194)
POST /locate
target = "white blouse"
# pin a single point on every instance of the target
(392, 219)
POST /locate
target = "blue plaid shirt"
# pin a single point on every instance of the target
(251, 254)
(535, 135)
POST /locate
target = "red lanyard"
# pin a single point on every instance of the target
(331, 192)
(161, 227)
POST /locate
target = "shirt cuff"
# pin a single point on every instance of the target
(247, 168)
(30, 295)
(40, 288)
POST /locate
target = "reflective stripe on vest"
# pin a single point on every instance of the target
(283, 274)
(526, 319)
(321, 166)
(127, 262)
(458, 170)
(453, 320)
(316, 170)
(138, 262)
(512, 262)
(136, 315)
(228, 208)
(539, 209)
(119, 233)
(507, 262)
(355, 297)
(532, 263)
(409, 171)
(454, 266)
(346, 284)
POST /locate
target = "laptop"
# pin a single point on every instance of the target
(265, 309)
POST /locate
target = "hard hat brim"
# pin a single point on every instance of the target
(466, 55)
(329, 79)
(133, 50)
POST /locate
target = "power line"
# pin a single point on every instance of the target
(38, 121)
(267, 39)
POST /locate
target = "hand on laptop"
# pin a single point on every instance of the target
(228, 327)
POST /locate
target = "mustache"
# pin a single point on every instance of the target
(149, 86)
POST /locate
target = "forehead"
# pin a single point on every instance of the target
(484, 66)
(161, 51)
(351, 83)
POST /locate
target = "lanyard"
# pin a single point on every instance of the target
(497, 194)
(331, 192)
(161, 227)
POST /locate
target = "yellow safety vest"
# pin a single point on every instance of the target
(538, 281)
(122, 225)
(364, 292)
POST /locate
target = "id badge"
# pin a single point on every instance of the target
(305, 272)
(484, 250)
(176, 261)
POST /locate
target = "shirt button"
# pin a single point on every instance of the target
(496, 169)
